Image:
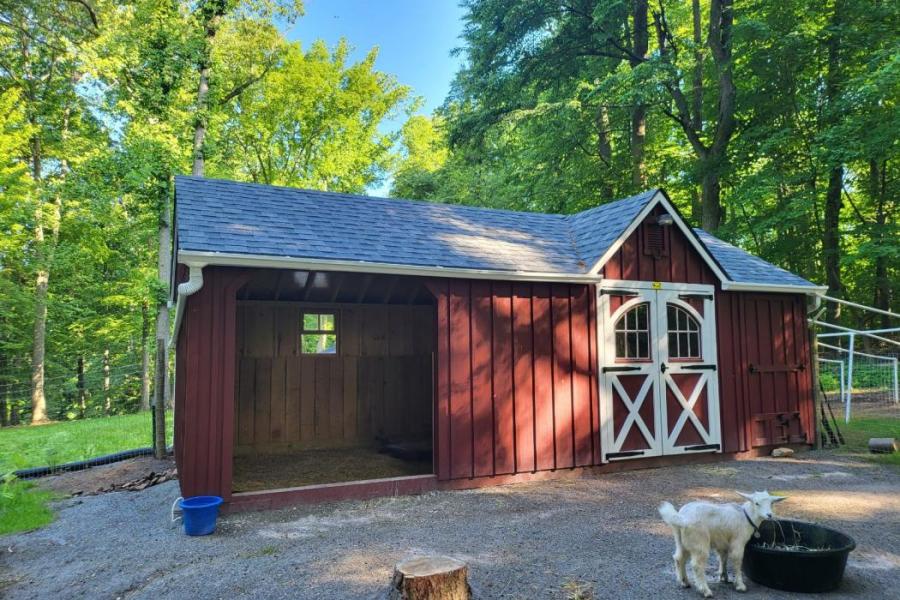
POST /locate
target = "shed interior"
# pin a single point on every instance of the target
(334, 379)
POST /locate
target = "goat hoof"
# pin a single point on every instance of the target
(740, 587)
(707, 594)
(684, 583)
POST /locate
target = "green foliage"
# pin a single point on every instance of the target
(22, 506)
(540, 118)
(57, 443)
(98, 101)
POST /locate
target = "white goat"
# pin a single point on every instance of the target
(724, 528)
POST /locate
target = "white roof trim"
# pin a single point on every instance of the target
(660, 198)
(737, 286)
(189, 257)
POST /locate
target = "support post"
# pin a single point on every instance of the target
(159, 401)
(814, 380)
(849, 378)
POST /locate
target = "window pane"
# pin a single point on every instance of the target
(326, 322)
(682, 320)
(695, 345)
(670, 316)
(683, 345)
(642, 317)
(310, 322)
(620, 345)
(643, 345)
(632, 345)
(319, 343)
(673, 345)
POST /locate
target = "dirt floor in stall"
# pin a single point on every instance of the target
(310, 467)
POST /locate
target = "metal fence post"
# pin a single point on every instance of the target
(849, 378)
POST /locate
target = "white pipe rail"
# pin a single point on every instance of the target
(862, 306)
(840, 333)
(855, 332)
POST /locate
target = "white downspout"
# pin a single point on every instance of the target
(189, 287)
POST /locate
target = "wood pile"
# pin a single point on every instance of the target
(141, 483)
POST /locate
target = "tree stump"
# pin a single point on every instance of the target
(430, 578)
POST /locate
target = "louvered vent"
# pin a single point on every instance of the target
(655, 240)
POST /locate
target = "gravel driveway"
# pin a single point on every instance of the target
(598, 537)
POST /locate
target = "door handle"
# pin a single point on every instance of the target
(663, 368)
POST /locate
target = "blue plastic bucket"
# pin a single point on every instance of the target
(199, 514)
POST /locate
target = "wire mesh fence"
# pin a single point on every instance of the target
(867, 384)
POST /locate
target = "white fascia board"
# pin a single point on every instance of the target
(190, 257)
(778, 288)
(660, 198)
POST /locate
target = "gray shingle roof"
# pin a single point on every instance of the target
(243, 218)
(743, 267)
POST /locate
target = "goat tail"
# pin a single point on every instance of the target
(670, 515)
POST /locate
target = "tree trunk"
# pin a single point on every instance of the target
(430, 578)
(877, 188)
(38, 398)
(640, 45)
(107, 399)
(710, 200)
(697, 91)
(4, 392)
(164, 266)
(200, 122)
(831, 239)
(82, 393)
(831, 236)
(145, 356)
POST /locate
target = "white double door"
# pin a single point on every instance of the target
(658, 369)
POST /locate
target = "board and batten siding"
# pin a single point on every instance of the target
(516, 386)
(765, 385)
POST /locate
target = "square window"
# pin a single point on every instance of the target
(319, 333)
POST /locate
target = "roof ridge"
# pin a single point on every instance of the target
(367, 197)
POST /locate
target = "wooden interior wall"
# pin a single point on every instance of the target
(516, 378)
(757, 407)
(378, 384)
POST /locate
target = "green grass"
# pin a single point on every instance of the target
(858, 431)
(66, 441)
(23, 507)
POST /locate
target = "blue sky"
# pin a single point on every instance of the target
(414, 37)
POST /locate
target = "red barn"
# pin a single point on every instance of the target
(333, 346)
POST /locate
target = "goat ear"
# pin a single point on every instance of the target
(778, 498)
(747, 496)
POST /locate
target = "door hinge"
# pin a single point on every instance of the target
(615, 455)
(619, 369)
(700, 367)
(702, 447)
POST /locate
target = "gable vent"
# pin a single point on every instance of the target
(655, 240)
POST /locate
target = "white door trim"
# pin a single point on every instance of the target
(659, 380)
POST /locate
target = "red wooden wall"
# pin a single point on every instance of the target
(757, 407)
(515, 370)
(204, 384)
(516, 387)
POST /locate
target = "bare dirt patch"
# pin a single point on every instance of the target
(97, 480)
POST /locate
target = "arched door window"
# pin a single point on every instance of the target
(633, 334)
(684, 333)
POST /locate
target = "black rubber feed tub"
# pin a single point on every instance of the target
(797, 557)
